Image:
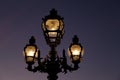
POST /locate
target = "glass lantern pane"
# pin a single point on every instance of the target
(30, 50)
(52, 24)
(61, 25)
(76, 58)
(52, 34)
(69, 54)
(82, 52)
(75, 49)
(32, 58)
(36, 55)
(29, 59)
(43, 26)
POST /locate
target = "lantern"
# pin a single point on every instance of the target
(31, 52)
(53, 28)
(75, 51)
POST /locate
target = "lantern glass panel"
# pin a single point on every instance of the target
(31, 51)
(52, 24)
(61, 25)
(82, 52)
(75, 49)
(76, 57)
(52, 34)
(43, 26)
(75, 52)
(30, 59)
(73, 57)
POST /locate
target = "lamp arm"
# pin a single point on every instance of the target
(70, 68)
(46, 64)
(65, 66)
(40, 67)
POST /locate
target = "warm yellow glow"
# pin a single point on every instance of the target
(75, 49)
(52, 24)
(82, 53)
(43, 26)
(52, 34)
(31, 54)
(61, 25)
(30, 59)
(30, 50)
(76, 52)
(76, 58)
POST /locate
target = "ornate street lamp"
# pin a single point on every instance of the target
(53, 29)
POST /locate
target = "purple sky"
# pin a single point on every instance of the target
(96, 22)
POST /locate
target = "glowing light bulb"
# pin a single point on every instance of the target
(30, 53)
(76, 52)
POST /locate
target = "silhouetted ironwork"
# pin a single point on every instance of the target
(52, 63)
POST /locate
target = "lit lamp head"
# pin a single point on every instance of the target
(31, 52)
(53, 28)
(75, 51)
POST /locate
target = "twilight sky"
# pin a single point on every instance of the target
(96, 22)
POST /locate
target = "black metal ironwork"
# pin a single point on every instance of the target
(52, 63)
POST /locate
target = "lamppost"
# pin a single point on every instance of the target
(53, 29)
